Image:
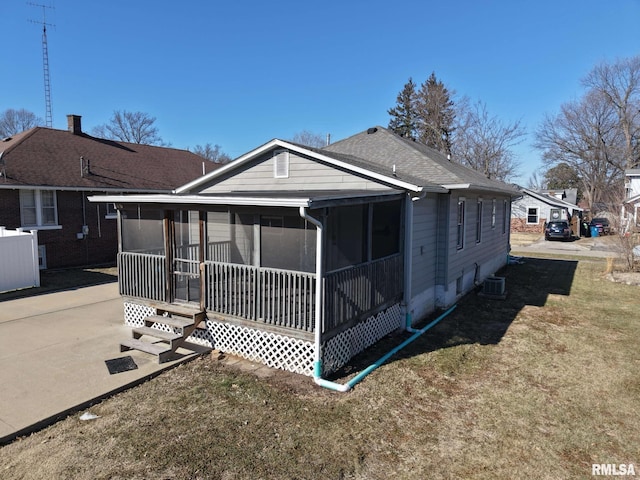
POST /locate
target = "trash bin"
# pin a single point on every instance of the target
(594, 231)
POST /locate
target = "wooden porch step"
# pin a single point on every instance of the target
(160, 350)
(182, 310)
(154, 332)
(177, 322)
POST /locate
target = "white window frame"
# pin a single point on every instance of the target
(493, 214)
(37, 196)
(281, 164)
(479, 211)
(505, 216)
(460, 220)
(537, 209)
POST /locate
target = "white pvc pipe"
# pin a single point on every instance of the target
(358, 378)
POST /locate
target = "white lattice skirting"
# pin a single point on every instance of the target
(340, 349)
(280, 351)
(273, 350)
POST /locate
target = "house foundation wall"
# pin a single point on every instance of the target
(423, 304)
(447, 295)
(520, 225)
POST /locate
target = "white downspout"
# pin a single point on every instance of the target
(408, 258)
(317, 363)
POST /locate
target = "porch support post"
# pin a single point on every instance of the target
(317, 365)
(168, 248)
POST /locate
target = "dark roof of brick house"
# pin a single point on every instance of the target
(50, 158)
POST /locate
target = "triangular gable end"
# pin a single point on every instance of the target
(281, 166)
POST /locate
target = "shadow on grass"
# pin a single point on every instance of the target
(477, 319)
(65, 279)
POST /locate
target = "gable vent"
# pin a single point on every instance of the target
(281, 164)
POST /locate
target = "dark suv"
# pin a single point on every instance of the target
(557, 229)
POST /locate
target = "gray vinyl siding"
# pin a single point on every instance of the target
(476, 254)
(304, 174)
(425, 222)
(521, 206)
(442, 241)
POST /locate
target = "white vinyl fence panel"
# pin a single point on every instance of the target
(18, 259)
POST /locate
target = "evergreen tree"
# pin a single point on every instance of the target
(403, 115)
(436, 115)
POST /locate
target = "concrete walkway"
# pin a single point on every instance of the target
(53, 349)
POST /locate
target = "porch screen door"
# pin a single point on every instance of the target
(186, 257)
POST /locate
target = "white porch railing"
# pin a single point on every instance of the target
(276, 297)
(142, 275)
(356, 291)
(272, 296)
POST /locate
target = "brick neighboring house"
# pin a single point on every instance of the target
(46, 176)
(534, 209)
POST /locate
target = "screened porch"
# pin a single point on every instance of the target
(257, 265)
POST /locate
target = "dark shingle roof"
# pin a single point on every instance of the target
(413, 161)
(46, 157)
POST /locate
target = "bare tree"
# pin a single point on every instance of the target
(485, 144)
(309, 139)
(130, 127)
(16, 121)
(619, 83)
(584, 135)
(534, 182)
(213, 153)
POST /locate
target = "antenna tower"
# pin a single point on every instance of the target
(45, 63)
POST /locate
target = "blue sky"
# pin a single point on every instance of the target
(239, 73)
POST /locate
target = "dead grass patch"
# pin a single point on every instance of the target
(541, 385)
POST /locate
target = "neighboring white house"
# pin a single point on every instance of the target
(534, 209)
(631, 206)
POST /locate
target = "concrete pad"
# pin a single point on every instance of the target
(53, 350)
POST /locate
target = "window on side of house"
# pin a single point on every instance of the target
(493, 213)
(505, 216)
(460, 224)
(479, 221)
(532, 215)
(38, 208)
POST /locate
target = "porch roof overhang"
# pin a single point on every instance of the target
(294, 199)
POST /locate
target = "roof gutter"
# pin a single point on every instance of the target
(203, 200)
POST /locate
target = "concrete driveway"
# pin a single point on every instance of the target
(53, 349)
(602, 247)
